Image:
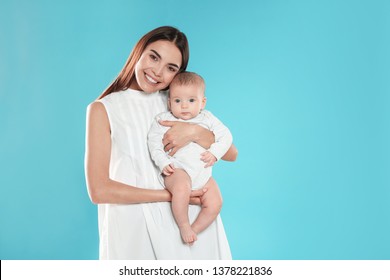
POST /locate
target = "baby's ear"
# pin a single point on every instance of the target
(204, 101)
(169, 104)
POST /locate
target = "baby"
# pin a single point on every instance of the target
(190, 167)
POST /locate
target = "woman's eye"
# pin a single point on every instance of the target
(153, 57)
(172, 69)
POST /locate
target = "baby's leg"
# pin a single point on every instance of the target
(179, 185)
(211, 206)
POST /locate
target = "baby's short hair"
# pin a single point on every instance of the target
(188, 78)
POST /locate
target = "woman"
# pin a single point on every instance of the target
(121, 177)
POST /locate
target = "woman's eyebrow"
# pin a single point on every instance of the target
(159, 56)
(156, 53)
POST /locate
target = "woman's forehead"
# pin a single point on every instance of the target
(166, 50)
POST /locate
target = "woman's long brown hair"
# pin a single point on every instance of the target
(167, 33)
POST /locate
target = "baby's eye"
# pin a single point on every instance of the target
(176, 100)
(192, 100)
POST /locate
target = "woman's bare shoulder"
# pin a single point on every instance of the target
(96, 107)
(96, 110)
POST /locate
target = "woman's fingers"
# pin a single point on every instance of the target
(198, 193)
(166, 123)
(173, 151)
(168, 147)
(195, 201)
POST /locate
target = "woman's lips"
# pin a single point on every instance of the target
(150, 79)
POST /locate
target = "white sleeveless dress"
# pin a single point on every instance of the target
(147, 230)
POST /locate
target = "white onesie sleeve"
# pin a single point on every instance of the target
(156, 146)
(223, 136)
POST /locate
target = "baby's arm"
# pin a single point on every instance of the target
(223, 140)
(156, 147)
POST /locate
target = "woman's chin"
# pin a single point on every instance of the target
(150, 91)
(151, 88)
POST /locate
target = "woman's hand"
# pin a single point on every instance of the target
(196, 196)
(178, 135)
(181, 134)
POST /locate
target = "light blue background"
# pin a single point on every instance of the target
(303, 85)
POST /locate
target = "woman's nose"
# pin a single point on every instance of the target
(157, 70)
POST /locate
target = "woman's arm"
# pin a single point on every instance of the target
(180, 134)
(231, 154)
(101, 188)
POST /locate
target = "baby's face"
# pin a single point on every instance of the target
(186, 101)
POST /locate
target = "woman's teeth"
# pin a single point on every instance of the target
(150, 79)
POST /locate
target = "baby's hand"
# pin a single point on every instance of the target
(208, 158)
(168, 170)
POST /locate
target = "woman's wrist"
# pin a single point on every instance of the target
(165, 196)
(203, 136)
(195, 133)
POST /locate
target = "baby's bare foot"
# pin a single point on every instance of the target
(187, 234)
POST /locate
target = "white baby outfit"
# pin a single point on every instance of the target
(188, 157)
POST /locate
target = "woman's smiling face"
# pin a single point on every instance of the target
(157, 66)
